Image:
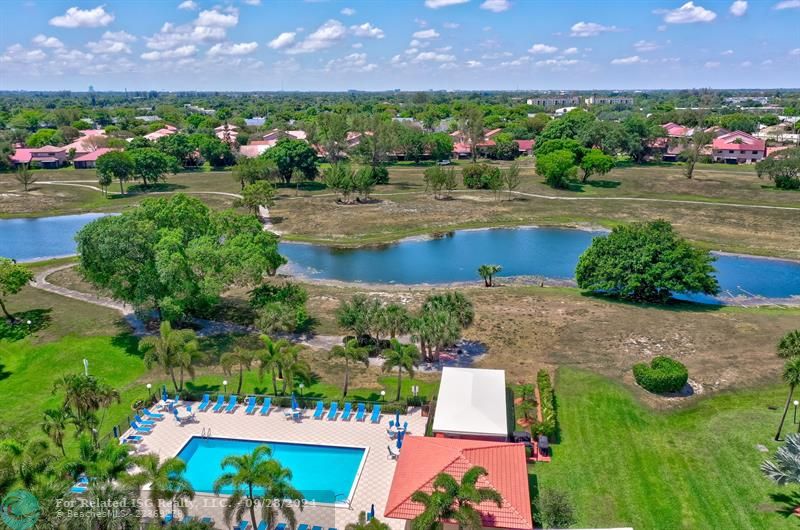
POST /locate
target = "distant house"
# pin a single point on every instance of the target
(277, 134)
(86, 144)
(550, 102)
(47, 157)
(255, 121)
(89, 160)
(525, 146)
(609, 100)
(738, 148)
(227, 133)
(674, 130)
(255, 148)
(148, 119)
(161, 133)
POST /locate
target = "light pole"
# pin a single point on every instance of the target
(302, 386)
(796, 403)
(149, 394)
(225, 384)
(383, 394)
(86, 367)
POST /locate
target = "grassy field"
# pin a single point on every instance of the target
(694, 468)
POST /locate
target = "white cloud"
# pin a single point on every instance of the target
(796, 51)
(746, 64)
(557, 63)
(496, 6)
(436, 4)
(355, 62)
(788, 4)
(520, 61)
(712, 64)
(231, 48)
(112, 42)
(435, 57)
(47, 42)
(188, 5)
(738, 8)
(83, 18)
(542, 49)
(216, 19)
(348, 11)
(766, 62)
(590, 29)
(171, 36)
(570, 51)
(426, 34)
(473, 64)
(727, 52)
(688, 13)
(16, 53)
(367, 30)
(253, 2)
(325, 36)
(451, 25)
(633, 59)
(177, 53)
(645, 46)
(283, 40)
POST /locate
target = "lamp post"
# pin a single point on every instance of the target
(302, 386)
(383, 394)
(796, 403)
(86, 367)
(225, 384)
(149, 394)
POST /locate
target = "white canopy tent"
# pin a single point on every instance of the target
(472, 404)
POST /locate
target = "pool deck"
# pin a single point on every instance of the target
(168, 437)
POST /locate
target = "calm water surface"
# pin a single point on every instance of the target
(43, 237)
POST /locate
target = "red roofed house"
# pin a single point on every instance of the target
(421, 459)
(47, 157)
(525, 146)
(89, 160)
(674, 130)
(738, 148)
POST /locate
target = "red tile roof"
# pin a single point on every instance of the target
(737, 141)
(422, 458)
(21, 155)
(462, 148)
(525, 145)
(93, 155)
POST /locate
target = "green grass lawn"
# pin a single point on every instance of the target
(697, 467)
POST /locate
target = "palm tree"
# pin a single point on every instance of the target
(363, 524)
(396, 320)
(242, 359)
(436, 329)
(791, 376)
(292, 367)
(487, 272)
(84, 395)
(173, 348)
(789, 345)
(104, 494)
(54, 425)
(166, 480)
(527, 408)
(253, 471)
(786, 467)
(26, 459)
(454, 303)
(279, 486)
(404, 357)
(454, 501)
(359, 315)
(351, 351)
(270, 357)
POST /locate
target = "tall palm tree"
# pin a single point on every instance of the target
(351, 351)
(84, 395)
(396, 320)
(404, 357)
(279, 486)
(104, 494)
(791, 376)
(454, 303)
(252, 472)
(166, 480)
(452, 500)
(487, 272)
(786, 467)
(292, 367)
(436, 329)
(26, 459)
(789, 345)
(171, 349)
(238, 358)
(270, 358)
(106, 464)
(54, 425)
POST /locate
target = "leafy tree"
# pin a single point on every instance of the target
(377, 142)
(691, 153)
(359, 315)
(783, 168)
(44, 137)
(403, 357)
(260, 193)
(251, 170)
(636, 136)
(151, 165)
(511, 178)
(350, 352)
(441, 146)
(167, 482)
(791, 376)
(471, 124)
(645, 262)
(25, 176)
(104, 180)
(453, 500)
(439, 179)
(115, 165)
(481, 176)
(570, 126)
(557, 168)
(505, 147)
(789, 345)
(595, 162)
(178, 146)
(487, 272)
(175, 255)
(216, 152)
(239, 358)
(440, 321)
(395, 320)
(364, 182)
(172, 349)
(554, 509)
(560, 144)
(13, 277)
(331, 133)
(290, 155)
(411, 142)
(341, 178)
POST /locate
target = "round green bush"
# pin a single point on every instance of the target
(663, 375)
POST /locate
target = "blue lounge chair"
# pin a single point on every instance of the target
(231, 404)
(347, 411)
(376, 414)
(316, 528)
(361, 412)
(207, 520)
(153, 415)
(132, 439)
(138, 428)
(302, 527)
(332, 414)
(281, 526)
(265, 407)
(187, 519)
(243, 525)
(251, 406)
(318, 412)
(219, 404)
(141, 421)
(262, 525)
(205, 403)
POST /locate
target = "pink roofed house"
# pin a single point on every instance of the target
(47, 157)
(89, 160)
(674, 130)
(738, 147)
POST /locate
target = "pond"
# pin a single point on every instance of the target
(453, 257)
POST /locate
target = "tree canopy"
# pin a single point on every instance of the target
(645, 262)
(175, 255)
(13, 277)
(293, 155)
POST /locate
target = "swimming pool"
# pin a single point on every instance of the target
(322, 473)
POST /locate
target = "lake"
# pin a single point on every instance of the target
(453, 257)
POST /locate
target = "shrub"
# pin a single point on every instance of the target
(290, 293)
(662, 375)
(554, 509)
(549, 424)
(480, 176)
(380, 175)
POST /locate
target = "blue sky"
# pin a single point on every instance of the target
(405, 44)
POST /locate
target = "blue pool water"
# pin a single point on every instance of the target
(44, 237)
(322, 473)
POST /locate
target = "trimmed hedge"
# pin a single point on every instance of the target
(663, 375)
(549, 424)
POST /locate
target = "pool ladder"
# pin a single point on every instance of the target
(205, 433)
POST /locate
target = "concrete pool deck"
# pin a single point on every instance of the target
(373, 483)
